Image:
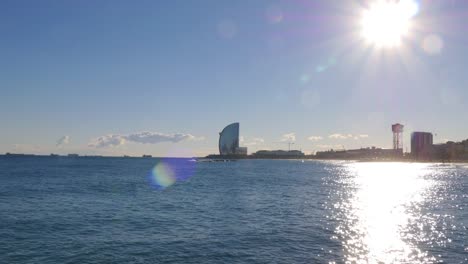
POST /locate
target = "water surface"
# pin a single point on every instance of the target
(122, 210)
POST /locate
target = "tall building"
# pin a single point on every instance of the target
(397, 130)
(421, 145)
(229, 141)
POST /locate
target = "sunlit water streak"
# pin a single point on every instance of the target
(123, 210)
(384, 212)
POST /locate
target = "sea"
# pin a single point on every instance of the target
(150, 210)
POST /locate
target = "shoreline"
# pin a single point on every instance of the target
(233, 158)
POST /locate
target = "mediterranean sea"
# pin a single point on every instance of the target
(149, 210)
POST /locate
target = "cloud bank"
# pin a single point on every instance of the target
(340, 136)
(108, 141)
(315, 138)
(357, 137)
(253, 142)
(142, 137)
(346, 136)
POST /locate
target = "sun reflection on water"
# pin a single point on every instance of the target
(383, 202)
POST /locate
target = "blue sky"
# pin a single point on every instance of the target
(164, 77)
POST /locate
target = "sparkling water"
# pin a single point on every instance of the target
(135, 210)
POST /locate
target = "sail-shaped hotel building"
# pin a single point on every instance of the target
(229, 141)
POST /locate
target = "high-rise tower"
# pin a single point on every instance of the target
(397, 130)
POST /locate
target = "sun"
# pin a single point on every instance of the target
(385, 22)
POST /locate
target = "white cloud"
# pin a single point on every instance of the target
(63, 141)
(260, 140)
(315, 138)
(154, 138)
(108, 141)
(357, 137)
(290, 137)
(253, 142)
(142, 137)
(340, 136)
(346, 136)
(241, 139)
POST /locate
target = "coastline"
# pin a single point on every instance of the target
(235, 158)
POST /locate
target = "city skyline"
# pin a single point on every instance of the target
(163, 78)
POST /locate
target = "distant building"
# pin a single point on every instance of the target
(362, 153)
(279, 154)
(421, 145)
(18, 155)
(241, 151)
(229, 141)
(451, 151)
(397, 130)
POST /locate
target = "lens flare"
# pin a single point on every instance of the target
(325, 65)
(171, 170)
(163, 175)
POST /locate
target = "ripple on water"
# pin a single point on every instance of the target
(252, 211)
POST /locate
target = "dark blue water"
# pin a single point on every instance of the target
(117, 210)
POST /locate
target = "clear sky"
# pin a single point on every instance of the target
(164, 77)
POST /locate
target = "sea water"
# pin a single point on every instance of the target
(148, 210)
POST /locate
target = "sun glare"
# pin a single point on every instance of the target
(380, 210)
(385, 22)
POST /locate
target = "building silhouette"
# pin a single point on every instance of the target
(229, 141)
(421, 145)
